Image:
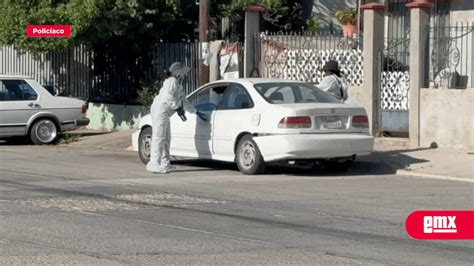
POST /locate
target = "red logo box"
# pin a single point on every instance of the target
(441, 225)
(54, 31)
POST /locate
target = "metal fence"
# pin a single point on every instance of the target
(302, 56)
(96, 75)
(451, 56)
(68, 71)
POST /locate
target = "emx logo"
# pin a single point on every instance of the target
(441, 225)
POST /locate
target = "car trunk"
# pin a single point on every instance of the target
(322, 118)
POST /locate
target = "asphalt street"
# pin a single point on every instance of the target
(75, 205)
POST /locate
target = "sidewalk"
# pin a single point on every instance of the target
(440, 163)
(118, 140)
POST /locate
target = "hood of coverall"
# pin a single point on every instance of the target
(177, 69)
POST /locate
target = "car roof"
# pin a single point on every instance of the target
(256, 80)
(6, 76)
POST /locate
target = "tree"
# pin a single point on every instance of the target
(279, 15)
(131, 22)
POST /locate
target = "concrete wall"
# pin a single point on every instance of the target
(447, 118)
(462, 11)
(113, 116)
(356, 96)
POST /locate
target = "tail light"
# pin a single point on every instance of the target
(84, 108)
(360, 121)
(295, 122)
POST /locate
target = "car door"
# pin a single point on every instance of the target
(18, 103)
(232, 117)
(194, 136)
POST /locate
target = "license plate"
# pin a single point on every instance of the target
(331, 123)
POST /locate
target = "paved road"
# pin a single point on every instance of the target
(72, 205)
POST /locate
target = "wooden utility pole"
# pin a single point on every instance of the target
(203, 40)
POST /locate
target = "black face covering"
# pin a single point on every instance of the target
(180, 78)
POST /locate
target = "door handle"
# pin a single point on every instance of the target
(34, 105)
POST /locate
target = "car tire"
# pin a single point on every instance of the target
(248, 157)
(43, 132)
(144, 144)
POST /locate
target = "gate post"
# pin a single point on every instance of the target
(419, 20)
(252, 27)
(372, 45)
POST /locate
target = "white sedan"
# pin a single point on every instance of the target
(257, 121)
(28, 109)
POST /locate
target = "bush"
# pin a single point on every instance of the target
(147, 94)
(312, 24)
(347, 16)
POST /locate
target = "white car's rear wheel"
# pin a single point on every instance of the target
(144, 144)
(248, 157)
(43, 132)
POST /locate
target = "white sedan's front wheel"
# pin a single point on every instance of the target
(248, 157)
(144, 144)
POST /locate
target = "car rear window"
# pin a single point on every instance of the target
(286, 93)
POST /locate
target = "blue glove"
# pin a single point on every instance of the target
(181, 113)
(203, 116)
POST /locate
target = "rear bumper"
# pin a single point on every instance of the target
(314, 146)
(83, 121)
(74, 124)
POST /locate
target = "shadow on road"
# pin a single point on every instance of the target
(378, 163)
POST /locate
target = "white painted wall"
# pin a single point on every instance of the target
(114, 116)
(447, 118)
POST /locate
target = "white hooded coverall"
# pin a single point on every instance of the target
(170, 98)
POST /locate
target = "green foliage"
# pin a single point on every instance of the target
(147, 94)
(279, 15)
(133, 23)
(347, 16)
(312, 24)
(230, 7)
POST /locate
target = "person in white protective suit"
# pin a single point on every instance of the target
(170, 99)
(333, 83)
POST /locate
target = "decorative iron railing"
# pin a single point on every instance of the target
(451, 56)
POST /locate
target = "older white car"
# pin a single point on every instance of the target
(28, 109)
(257, 121)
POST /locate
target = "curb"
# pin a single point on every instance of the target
(403, 172)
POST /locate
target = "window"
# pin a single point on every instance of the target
(236, 97)
(16, 90)
(281, 93)
(208, 98)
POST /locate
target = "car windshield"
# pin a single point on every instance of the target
(287, 93)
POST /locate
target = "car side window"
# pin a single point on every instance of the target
(208, 98)
(16, 90)
(236, 97)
